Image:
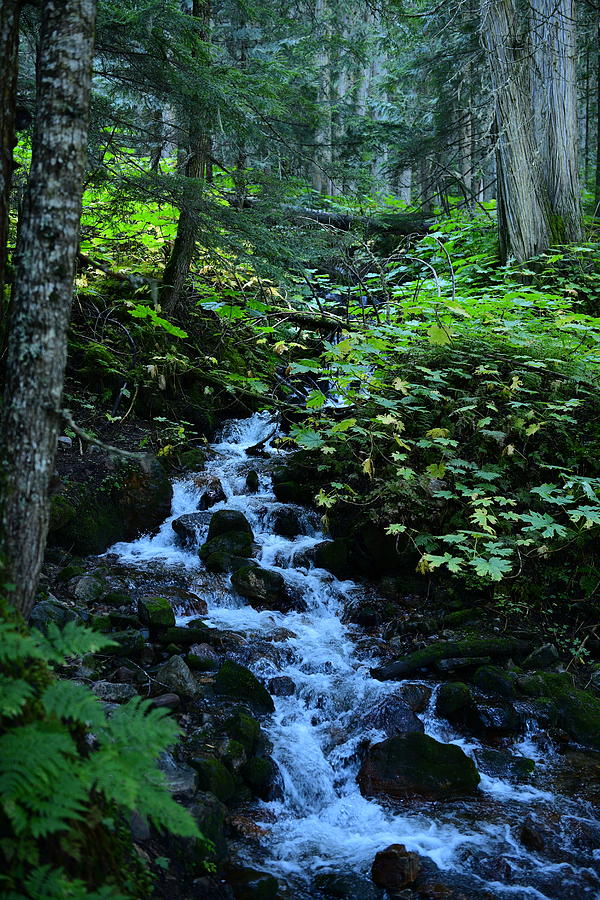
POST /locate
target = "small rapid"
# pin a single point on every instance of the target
(323, 823)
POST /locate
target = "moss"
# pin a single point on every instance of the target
(333, 556)
(577, 711)
(470, 648)
(156, 612)
(494, 680)
(245, 729)
(213, 776)
(259, 774)
(183, 635)
(452, 699)
(234, 680)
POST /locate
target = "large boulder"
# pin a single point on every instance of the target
(574, 710)
(239, 683)
(470, 649)
(395, 868)
(333, 556)
(229, 541)
(187, 527)
(263, 588)
(415, 764)
(226, 520)
(177, 676)
(51, 611)
(104, 499)
(287, 522)
(392, 715)
(457, 703)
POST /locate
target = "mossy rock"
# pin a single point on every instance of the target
(263, 588)
(453, 700)
(252, 884)
(225, 521)
(238, 682)
(210, 815)
(227, 552)
(260, 774)
(470, 648)
(245, 729)
(334, 556)
(494, 680)
(129, 643)
(502, 764)
(577, 711)
(252, 481)
(52, 611)
(156, 612)
(183, 635)
(213, 776)
(415, 764)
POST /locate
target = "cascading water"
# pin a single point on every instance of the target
(323, 823)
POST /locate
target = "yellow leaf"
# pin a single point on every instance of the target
(531, 429)
(439, 335)
(437, 433)
(400, 385)
(368, 467)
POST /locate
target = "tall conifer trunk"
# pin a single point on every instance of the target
(42, 295)
(10, 11)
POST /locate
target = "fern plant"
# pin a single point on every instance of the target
(69, 773)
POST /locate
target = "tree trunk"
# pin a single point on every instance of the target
(42, 295)
(10, 11)
(197, 167)
(553, 31)
(523, 207)
(597, 186)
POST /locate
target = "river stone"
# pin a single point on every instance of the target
(87, 588)
(128, 643)
(187, 527)
(346, 887)
(180, 778)
(156, 612)
(166, 701)
(252, 481)
(452, 701)
(416, 764)
(286, 521)
(203, 658)
(457, 703)
(333, 556)
(417, 696)
(212, 495)
(244, 729)
(210, 816)
(282, 686)
(494, 680)
(51, 610)
(544, 657)
(213, 776)
(471, 648)
(395, 868)
(502, 764)
(176, 675)
(576, 711)
(264, 589)
(226, 520)
(185, 635)
(393, 716)
(227, 552)
(111, 692)
(234, 680)
(262, 777)
(252, 884)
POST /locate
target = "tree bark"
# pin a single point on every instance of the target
(197, 167)
(553, 31)
(42, 294)
(10, 11)
(597, 186)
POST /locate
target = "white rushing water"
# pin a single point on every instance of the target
(323, 823)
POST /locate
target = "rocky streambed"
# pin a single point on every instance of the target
(323, 760)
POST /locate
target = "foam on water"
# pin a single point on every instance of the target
(324, 823)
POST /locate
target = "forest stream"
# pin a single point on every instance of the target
(319, 826)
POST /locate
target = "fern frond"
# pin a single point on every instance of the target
(14, 694)
(73, 702)
(74, 640)
(16, 646)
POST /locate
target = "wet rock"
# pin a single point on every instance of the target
(576, 711)
(502, 764)
(225, 521)
(180, 778)
(456, 664)
(227, 552)
(544, 657)
(417, 696)
(184, 635)
(333, 556)
(110, 692)
(210, 816)
(156, 612)
(346, 887)
(494, 680)
(393, 716)
(238, 682)
(51, 611)
(282, 686)
(176, 676)
(453, 700)
(457, 703)
(530, 685)
(286, 521)
(395, 868)
(471, 648)
(213, 494)
(203, 658)
(87, 588)
(252, 481)
(214, 777)
(232, 754)
(187, 527)
(245, 729)
(252, 884)
(262, 777)
(531, 836)
(127, 675)
(416, 764)
(166, 701)
(128, 643)
(263, 588)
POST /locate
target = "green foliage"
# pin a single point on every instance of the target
(69, 772)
